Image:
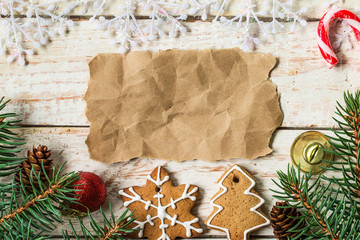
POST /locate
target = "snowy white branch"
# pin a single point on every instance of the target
(24, 35)
(29, 24)
(125, 28)
(249, 18)
(203, 7)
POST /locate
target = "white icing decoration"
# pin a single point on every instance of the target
(247, 192)
(172, 204)
(142, 224)
(158, 182)
(147, 205)
(173, 220)
(135, 198)
(158, 195)
(187, 225)
(161, 210)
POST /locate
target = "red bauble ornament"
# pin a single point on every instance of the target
(93, 193)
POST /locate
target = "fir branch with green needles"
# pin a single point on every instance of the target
(24, 214)
(9, 142)
(330, 205)
(346, 145)
(327, 212)
(39, 210)
(33, 212)
(111, 229)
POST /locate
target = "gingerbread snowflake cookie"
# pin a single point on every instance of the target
(162, 210)
(236, 206)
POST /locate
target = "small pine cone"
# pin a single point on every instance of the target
(36, 157)
(281, 220)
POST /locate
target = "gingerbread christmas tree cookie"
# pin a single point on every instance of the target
(162, 210)
(236, 205)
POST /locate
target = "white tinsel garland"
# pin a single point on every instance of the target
(29, 24)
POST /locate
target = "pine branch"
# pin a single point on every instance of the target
(39, 210)
(9, 142)
(328, 213)
(113, 228)
(23, 233)
(29, 212)
(330, 205)
(346, 145)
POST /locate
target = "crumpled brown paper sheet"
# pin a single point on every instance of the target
(181, 105)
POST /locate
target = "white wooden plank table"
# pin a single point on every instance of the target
(48, 96)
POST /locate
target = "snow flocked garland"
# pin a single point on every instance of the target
(29, 24)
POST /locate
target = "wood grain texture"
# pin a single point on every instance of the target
(50, 90)
(67, 144)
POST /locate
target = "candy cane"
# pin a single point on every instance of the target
(323, 32)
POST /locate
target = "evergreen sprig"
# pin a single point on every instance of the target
(111, 228)
(38, 211)
(327, 212)
(346, 145)
(28, 214)
(9, 142)
(34, 214)
(330, 205)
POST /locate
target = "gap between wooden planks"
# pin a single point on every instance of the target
(68, 144)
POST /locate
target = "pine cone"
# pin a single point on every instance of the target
(281, 220)
(36, 157)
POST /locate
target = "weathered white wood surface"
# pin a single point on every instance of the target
(50, 90)
(48, 95)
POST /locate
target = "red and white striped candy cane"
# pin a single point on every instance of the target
(323, 32)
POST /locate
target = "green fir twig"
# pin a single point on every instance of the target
(9, 142)
(38, 211)
(28, 214)
(34, 213)
(327, 212)
(346, 145)
(111, 229)
(330, 205)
